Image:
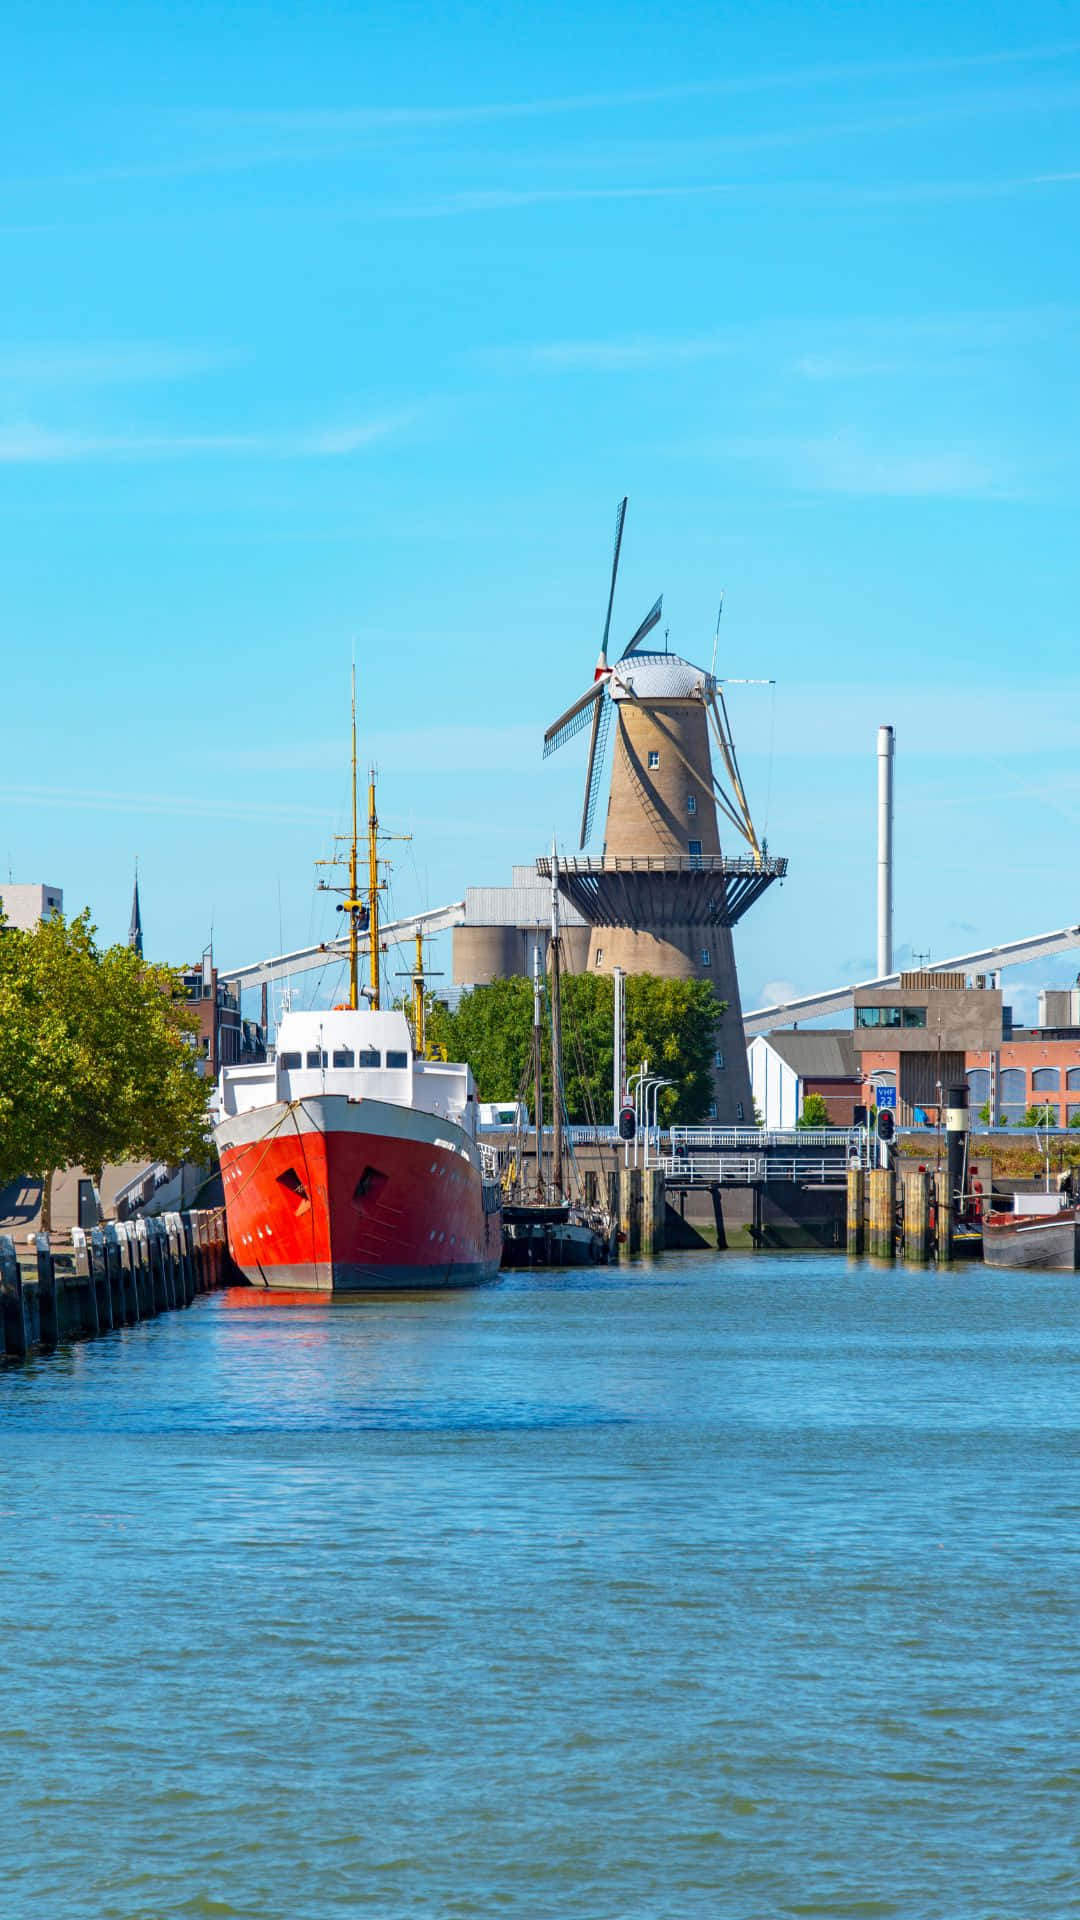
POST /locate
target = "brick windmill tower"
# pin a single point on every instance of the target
(663, 897)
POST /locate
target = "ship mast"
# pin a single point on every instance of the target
(373, 882)
(353, 903)
(538, 1084)
(556, 1039)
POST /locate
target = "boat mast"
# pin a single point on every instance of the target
(373, 886)
(556, 1039)
(538, 1088)
(354, 905)
(419, 1036)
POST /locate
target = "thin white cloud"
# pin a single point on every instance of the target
(608, 356)
(33, 445)
(845, 463)
(103, 365)
(182, 806)
(414, 751)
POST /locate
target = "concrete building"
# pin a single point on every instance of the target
(936, 1030)
(501, 926)
(787, 1065)
(25, 905)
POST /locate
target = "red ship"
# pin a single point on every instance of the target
(350, 1163)
(350, 1160)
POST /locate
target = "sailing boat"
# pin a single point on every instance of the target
(550, 1229)
(350, 1161)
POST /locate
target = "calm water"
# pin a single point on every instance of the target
(729, 1587)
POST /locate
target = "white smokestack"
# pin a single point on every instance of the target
(886, 745)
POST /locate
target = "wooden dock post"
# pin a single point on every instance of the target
(48, 1324)
(856, 1210)
(718, 1215)
(917, 1217)
(13, 1322)
(654, 1210)
(944, 1216)
(84, 1268)
(883, 1213)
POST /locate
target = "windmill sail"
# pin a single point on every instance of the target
(619, 518)
(575, 717)
(595, 772)
(650, 621)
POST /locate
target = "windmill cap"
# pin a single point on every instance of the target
(660, 676)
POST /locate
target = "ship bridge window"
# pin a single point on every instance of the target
(397, 1060)
(290, 1061)
(316, 1058)
(369, 1057)
(344, 1057)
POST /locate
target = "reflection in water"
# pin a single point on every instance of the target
(730, 1586)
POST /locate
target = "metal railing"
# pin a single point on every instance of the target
(759, 1139)
(751, 1169)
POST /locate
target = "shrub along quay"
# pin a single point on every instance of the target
(113, 1276)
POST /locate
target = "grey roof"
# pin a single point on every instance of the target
(828, 1054)
(524, 904)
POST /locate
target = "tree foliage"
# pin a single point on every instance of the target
(814, 1113)
(96, 1060)
(670, 1023)
(1043, 1115)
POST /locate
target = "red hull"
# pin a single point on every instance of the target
(386, 1198)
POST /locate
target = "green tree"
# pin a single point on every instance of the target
(670, 1023)
(1044, 1115)
(814, 1113)
(96, 1060)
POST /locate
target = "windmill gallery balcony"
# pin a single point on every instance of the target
(652, 891)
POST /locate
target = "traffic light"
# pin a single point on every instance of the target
(884, 1124)
(627, 1123)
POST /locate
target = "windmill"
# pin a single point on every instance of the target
(664, 897)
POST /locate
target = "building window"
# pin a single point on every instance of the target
(712, 1110)
(695, 852)
(397, 1060)
(691, 803)
(890, 1016)
(290, 1061)
(1046, 1080)
(599, 956)
(1072, 1079)
(718, 1060)
(369, 1057)
(316, 1058)
(654, 761)
(706, 957)
(738, 1110)
(344, 1057)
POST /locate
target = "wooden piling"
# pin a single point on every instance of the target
(48, 1322)
(716, 1195)
(653, 1210)
(883, 1213)
(944, 1216)
(14, 1331)
(856, 1210)
(917, 1217)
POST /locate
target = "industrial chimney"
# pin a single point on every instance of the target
(886, 745)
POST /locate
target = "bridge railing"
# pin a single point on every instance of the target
(751, 1169)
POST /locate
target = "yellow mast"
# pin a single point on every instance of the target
(419, 1036)
(373, 886)
(354, 903)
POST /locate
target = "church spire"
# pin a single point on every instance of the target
(135, 928)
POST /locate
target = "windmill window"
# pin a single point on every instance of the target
(691, 803)
(712, 1110)
(739, 1110)
(599, 956)
(695, 850)
(706, 957)
(654, 761)
(719, 1060)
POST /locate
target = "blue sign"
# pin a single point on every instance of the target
(886, 1097)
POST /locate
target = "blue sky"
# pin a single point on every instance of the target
(345, 327)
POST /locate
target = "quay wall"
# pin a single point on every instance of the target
(110, 1277)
